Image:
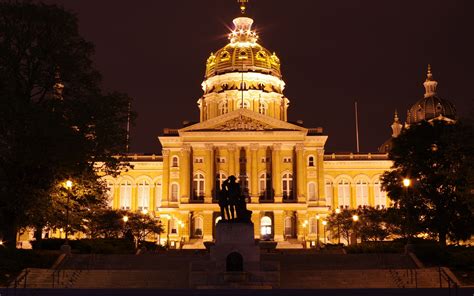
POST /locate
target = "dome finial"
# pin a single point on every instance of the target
(396, 126)
(430, 84)
(242, 5)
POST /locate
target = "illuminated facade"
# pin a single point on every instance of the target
(291, 184)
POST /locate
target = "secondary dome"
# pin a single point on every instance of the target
(243, 53)
(431, 106)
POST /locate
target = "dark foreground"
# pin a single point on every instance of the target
(282, 292)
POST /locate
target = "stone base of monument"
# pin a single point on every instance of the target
(234, 261)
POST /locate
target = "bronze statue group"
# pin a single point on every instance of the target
(232, 202)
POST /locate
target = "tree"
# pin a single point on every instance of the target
(372, 224)
(438, 158)
(342, 223)
(141, 226)
(106, 223)
(55, 123)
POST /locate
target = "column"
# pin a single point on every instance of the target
(254, 173)
(166, 176)
(276, 173)
(231, 152)
(185, 173)
(134, 201)
(151, 198)
(256, 222)
(237, 162)
(300, 173)
(208, 224)
(320, 175)
(209, 179)
(278, 227)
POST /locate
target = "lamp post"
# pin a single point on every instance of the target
(317, 231)
(355, 218)
(305, 223)
(406, 185)
(324, 233)
(338, 211)
(68, 187)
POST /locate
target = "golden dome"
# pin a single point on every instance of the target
(243, 53)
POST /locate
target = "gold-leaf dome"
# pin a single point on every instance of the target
(243, 53)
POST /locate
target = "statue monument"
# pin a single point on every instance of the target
(234, 259)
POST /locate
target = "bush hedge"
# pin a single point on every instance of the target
(86, 246)
(376, 247)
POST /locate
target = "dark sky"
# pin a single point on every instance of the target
(332, 52)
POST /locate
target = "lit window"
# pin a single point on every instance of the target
(174, 192)
(312, 191)
(143, 195)
(313, 225)
(362, 193)
(328, 191)
(380, 196)
(311, 161)
(246, 104)
(158, 195)
(263, 181)
(287, 182)
(220, 178)
(266, 226)
(198, 185)
(344, 193)
(126, 195)
(288, 227)
(198, 226)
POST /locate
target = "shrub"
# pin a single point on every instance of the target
(376, 247)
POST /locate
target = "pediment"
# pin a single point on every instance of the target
(243, 120)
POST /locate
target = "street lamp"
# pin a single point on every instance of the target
(144, 211)
(324, 224)
(68, 185)
(125, 219)
(338, 211)
(317, 231)
(406, 185)
(305, 223)
(355, 218)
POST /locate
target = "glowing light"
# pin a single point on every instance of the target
(355, 218)
(317, 217)
(68, 184)
(325, 222)
(338, 211)
(145, 211)
(406, 182)
(1, 243)
(125, 219)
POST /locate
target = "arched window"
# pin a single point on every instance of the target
(223, 107)
(287, 184)
(175, 162)
(126, 195)
(328, 191)
(288, 227)
(262, 107)
(110, 194)
(174, 192)
(266, 227)
(313, 225)
(143, 195)
(198, 227)
(380, 196)
(311, 191)
(198, 185)
(344, 193)
(158, 194)
(362, 193)
(311, 161)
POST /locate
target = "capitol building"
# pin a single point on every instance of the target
(291, 184)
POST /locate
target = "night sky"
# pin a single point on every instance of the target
(333, 52)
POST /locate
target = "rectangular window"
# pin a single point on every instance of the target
(221, 160)
(198, 160)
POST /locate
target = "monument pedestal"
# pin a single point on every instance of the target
(234, 261)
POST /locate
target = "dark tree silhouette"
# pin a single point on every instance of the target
(55, 123)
